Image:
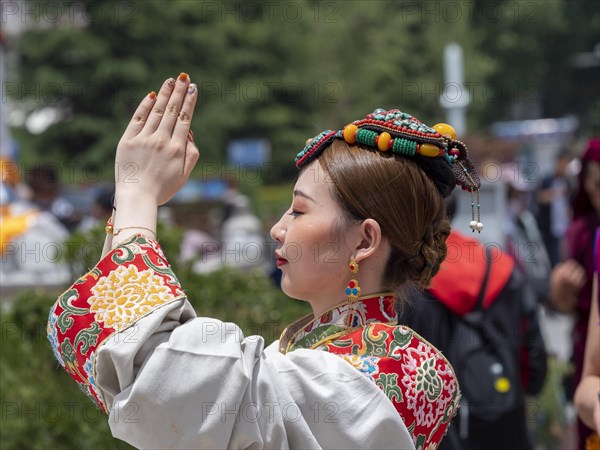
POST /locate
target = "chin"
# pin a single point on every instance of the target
(291, 292)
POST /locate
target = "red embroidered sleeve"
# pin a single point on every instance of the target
(414, 375)
(129, 283)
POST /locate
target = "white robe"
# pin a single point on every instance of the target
(176, 381)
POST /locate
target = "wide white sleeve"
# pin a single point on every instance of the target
(201, 384)
(127, 335)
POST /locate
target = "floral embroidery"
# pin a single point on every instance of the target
(413, 375)
(388, 382)
(402, 337)
(126, 295)
(372, 343)
(129, 283)
(418, 391)
(89, 368)
(65, 301)
(87, 337)
(428, 380)
(387, 309)
(53, 335)
(367, 365)
(420, 441)
(309, 332)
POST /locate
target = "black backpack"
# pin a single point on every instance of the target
(484, 348)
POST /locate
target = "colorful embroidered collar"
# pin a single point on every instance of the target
(310, 332)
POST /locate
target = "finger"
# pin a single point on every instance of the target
(174, 106)
(140, 116)
(191, 158)
(580, 280)
(157, 113)
(182, 125)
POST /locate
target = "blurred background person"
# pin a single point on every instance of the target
(553, 206)
(44, 184)
(572, 283)
(30, 240)
(101, 208)
(524, 240)
(587, 395)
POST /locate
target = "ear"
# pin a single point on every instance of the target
(370, 234)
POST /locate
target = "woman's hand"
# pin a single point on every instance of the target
(155, 156)
(566, 280)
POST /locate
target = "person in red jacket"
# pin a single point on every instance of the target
(481, 314)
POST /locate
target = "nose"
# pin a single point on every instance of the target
(278, 231)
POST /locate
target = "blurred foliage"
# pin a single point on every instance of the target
(44, 408)
(274, 200)
(287, 70)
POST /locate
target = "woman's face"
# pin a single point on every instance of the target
(312, 252)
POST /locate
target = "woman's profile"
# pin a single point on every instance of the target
(367, 222)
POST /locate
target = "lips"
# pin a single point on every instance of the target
(280, 260)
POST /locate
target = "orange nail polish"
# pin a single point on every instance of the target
(183, 76)
(152, 95)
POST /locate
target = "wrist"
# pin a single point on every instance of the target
(136, 213)
(128, 197)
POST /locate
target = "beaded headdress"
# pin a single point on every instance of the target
(436, 150)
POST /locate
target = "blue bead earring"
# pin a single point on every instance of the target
(352, 292)
(353, 289)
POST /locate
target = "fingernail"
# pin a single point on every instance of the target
(152, 95)
(190, 136)
(183, 76)
(191, 88)
(170, 82)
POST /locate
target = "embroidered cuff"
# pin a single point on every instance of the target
(129, 283)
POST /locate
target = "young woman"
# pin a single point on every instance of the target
(573, 280)
(368, 196)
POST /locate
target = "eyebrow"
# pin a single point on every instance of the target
(302, 194)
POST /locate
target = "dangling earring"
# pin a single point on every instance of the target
(352, 291)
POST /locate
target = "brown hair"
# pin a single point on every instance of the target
(395, 192)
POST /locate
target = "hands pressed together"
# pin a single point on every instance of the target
(158, 153)
(157, 143)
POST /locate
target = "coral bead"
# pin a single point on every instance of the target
(454, 152)
(430, 150)
(445, 130)
(384, 141)
(350, 133)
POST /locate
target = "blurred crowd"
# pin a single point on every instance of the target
(39, 213)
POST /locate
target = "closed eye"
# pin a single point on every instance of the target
(295, 213)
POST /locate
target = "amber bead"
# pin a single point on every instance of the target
(383, 143)
(430, 150)
(445, 130)
(350, 133)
